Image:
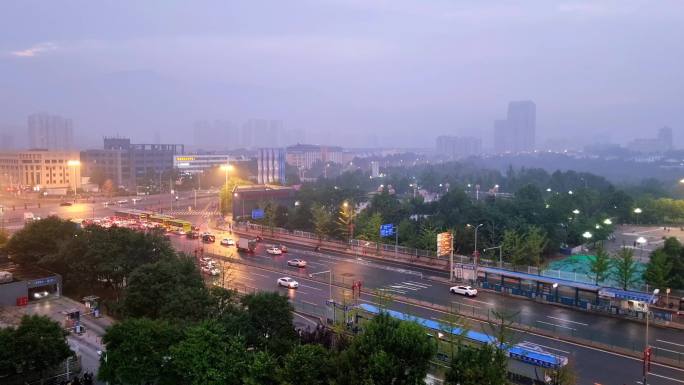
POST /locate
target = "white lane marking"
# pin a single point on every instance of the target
(415, 284)
(560, 326)
(394, 290)
(671, 343)
(668, 350)
(667, 378)
(547, 347)
(420, 283)
(404, 287)
(311, 287)
(309, 303)
(567, 320)
(260, 275)
(474, 300)
(300, 292)
(316, 263)
(465, 304)
(299, 315)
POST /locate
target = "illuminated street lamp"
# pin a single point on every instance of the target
(548, 189)
(587, 235)
(226, 168)
(608, 222)
(575, 211)
(681, 181)
(570, 192)
(73, 164)
(637, 211)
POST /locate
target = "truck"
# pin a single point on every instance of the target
(247, 245)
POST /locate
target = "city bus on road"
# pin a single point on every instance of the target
(527, 363)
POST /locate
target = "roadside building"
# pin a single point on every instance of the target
(50, 172)
(251, 197)
(20, 285)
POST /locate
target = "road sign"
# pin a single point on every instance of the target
(257, 214)
(386, 230)
(444, 243)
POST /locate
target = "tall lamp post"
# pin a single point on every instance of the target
(637, 211)
(73, 165)
(647, 350)
(226, 168)
(500, 247)
(332, 301)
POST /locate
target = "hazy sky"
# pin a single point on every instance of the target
(406, 70)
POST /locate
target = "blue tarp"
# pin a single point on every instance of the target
(537, 358)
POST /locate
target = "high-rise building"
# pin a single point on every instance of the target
(271, 166)
(662, 143)
(517, 133)
(53, 172)
(262, 133)
(50, 132)
(455, 147)
(665, 138)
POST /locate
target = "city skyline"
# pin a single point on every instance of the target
(347, 73)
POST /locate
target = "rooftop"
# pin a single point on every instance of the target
(24, 273)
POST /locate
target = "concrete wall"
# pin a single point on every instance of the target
(9, 292)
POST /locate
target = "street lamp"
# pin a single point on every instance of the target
(587, 235)
(648, 346)
(607, 222)
(637, 211)
(475, 253)
(641, 241)
(226, 168)
(570, 192)
(332, 301)
(73, 164)
(575, 211)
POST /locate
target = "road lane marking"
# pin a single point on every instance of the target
(671, 343)
(307, 319)
(474, 300)
(668, 350)
(567, 320)
(419, 283)
(547, 347)
(415, 285)
(260, 275)
(667, 378)
(465, 304)
(309, 303)
(560, 326)
(311, 287)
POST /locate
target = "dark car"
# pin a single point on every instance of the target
(65, 204)
(192, 234)
(208, 238)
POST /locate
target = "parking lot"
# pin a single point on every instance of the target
(627, 236)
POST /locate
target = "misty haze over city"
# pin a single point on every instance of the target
(350, 73)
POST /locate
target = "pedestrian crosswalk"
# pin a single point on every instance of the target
(404, 287)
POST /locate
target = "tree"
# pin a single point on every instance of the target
(4, 237)
(209, 355)
(535, 244)
(40, 240)
(261, 370)
(600, 265)
(40, 343)
(389, 351)
(137, 352)
(514, 247)
(658, 270)
(98, 176)
(306, 365)
(169, 289)
(345, 220)
(8, 353)
(625, 268)
(269, 317)
(482, 365)
(270, 216)
(321, 219)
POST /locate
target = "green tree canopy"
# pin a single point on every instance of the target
(172, 289)
(306, 365)
(600, 265)
(481, 365)
(625, 268)
(658, 270)
(40, 343)
(138, 352)
(269, 318)
(40, 240)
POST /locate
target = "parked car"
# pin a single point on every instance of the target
(288, 282)
(274, 251)
(468, 291)
(65, 204)
(227, 242)
(297, 262)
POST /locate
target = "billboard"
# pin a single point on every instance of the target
(386, 230)
(444, 243)
(257, 213)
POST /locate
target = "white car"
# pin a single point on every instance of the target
(180, 232)
(288, 282)
(122, 201)
(40, 294)
(274, 251)
(227, 242)
(297, 262)
(468, 291)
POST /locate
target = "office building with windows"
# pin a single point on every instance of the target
(50, 132)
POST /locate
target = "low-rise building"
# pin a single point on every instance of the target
(52, 172)
(21, 284)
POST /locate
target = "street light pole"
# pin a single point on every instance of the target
(475, 252)
(500, 247)
(332, 301)
(648, 311)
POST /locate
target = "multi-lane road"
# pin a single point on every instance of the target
(260, 271)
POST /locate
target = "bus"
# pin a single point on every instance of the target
(179, 224)
(526, 362)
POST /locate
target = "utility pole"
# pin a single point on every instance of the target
(451, 258)
(332, 301)
(500, 247)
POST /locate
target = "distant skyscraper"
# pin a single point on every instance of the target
(50, 132)
(665, 137)
(518, 132)
(262, 132)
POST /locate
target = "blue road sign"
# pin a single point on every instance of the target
(257, 214)
(386, 230)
